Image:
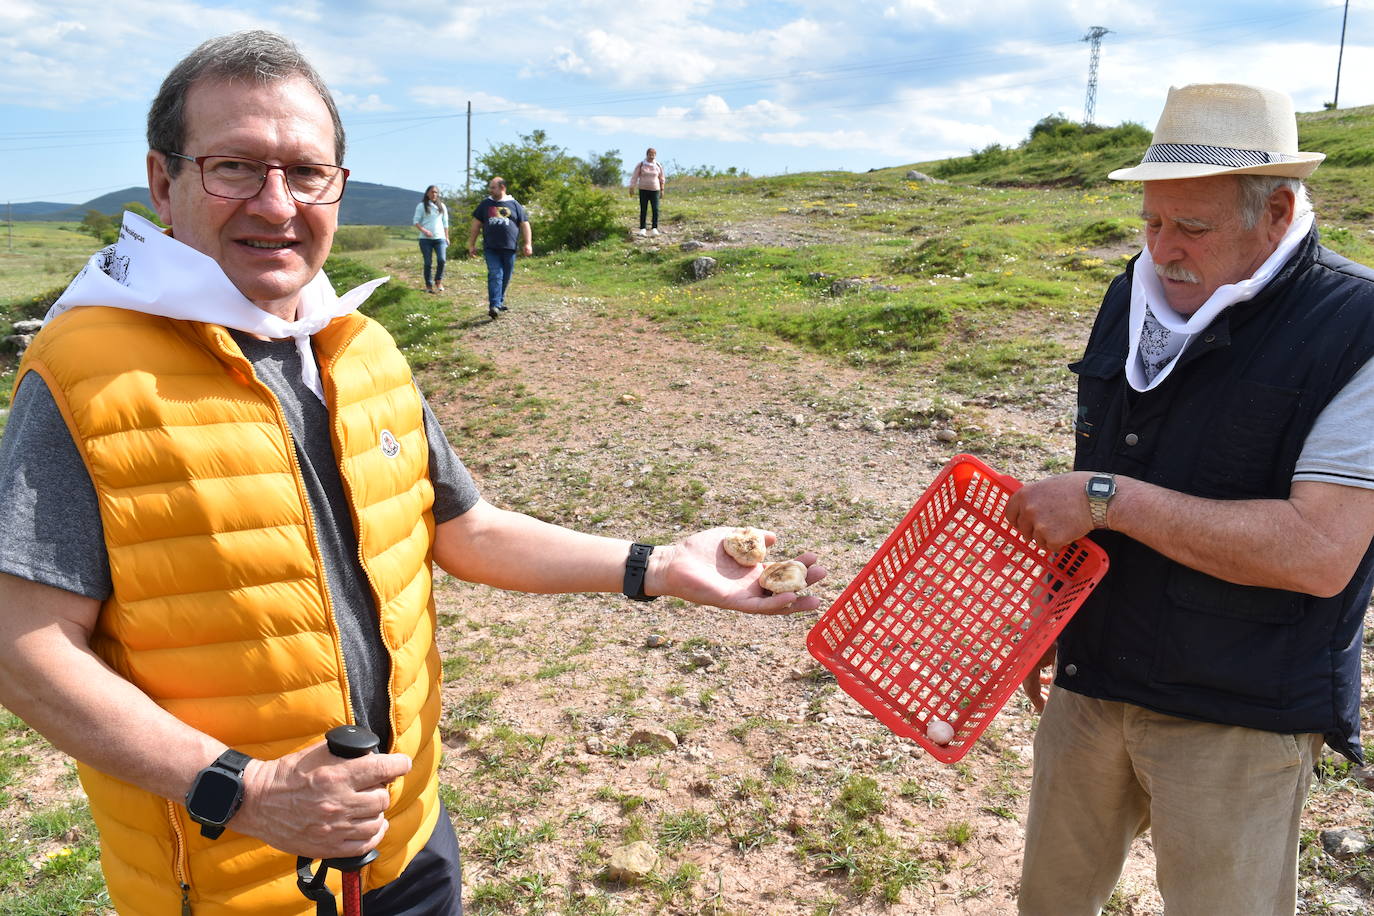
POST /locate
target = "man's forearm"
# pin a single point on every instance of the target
(513, 551)
(1310, 542)
(51, 679)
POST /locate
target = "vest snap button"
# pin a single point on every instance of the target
(1070, 670)
(1132, 439)
(1209, 338)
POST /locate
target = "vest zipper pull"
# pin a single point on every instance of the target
(185, 899)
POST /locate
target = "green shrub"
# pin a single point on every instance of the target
(31, 306)
(359, 238)
(576, 215)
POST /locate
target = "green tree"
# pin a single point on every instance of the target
(134, 206)
(605, 170)
(527, 166)
(99, 226)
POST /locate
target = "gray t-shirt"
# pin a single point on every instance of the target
(1340, 446)
(52, 532)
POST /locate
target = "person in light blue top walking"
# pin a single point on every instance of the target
(431, 219)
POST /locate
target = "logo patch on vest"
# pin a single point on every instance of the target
(390, 447)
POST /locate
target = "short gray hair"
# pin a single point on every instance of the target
(251, 56)
(1255, 191)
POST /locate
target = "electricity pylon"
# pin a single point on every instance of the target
(1094, 36)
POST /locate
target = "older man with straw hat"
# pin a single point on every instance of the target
(1224, 459)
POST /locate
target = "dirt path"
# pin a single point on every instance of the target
(636, 424)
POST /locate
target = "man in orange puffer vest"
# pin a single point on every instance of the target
(225, 497)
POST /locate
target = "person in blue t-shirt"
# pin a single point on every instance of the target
(503, 223)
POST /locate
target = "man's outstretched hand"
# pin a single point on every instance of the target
(698, 569)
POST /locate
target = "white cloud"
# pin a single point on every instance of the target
(907, 10)
(710, 117)
(347, 101)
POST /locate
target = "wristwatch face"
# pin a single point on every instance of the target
(1100, 487)
(214, 797)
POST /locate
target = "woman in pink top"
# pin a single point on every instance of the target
(648, 177)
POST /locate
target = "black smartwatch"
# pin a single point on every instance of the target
(216, 794)
(635, 566)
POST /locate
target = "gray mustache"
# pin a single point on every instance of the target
(1175, 272)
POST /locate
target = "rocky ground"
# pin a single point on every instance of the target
(601, 421)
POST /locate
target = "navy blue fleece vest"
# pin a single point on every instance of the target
(1228, 423)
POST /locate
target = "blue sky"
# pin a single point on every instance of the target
(768, 87)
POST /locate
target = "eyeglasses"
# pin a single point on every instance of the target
(237, 178)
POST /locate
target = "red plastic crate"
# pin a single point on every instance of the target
(953, 611)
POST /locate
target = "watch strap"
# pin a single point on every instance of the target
(636, 564)
(234, 761)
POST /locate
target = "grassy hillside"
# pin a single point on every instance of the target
(984, 284)
(978, 278)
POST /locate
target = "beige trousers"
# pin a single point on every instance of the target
(1222, 804)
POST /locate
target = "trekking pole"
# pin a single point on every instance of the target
(344, 741)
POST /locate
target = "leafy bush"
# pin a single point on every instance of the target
(1057, 151)
(576, 215)
(677, 170)
(359, 238)
(134, 206)
(527, 166)
(991, 156)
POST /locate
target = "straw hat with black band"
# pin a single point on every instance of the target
(1223, 129)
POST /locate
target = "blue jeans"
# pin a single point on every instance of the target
(429, 248)
(500, 265)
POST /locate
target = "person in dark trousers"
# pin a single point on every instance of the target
(504, 225)
(431, 221)
(224, 498)
(1224, 461)
(651, 182)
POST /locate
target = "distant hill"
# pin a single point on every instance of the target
(364, 204)
(37, 209)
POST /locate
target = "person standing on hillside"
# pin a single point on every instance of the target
(651, 181)
(1224, 462)
(504, 224)
(224, 495)
(431, 221)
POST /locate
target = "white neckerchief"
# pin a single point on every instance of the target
(1147, 295)
(151, 272)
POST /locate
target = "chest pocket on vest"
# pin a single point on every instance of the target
(1247, 432)
(1236, 639)
(1098, 391)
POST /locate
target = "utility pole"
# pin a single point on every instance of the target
(467, 186)
(1094, 37)
(1336, 101)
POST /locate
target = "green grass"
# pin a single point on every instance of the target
(959, 281)
(51, 865)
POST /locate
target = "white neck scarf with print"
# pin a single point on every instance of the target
(1159, 335)
(151, 272)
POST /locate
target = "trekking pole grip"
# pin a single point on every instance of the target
(349, 741)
